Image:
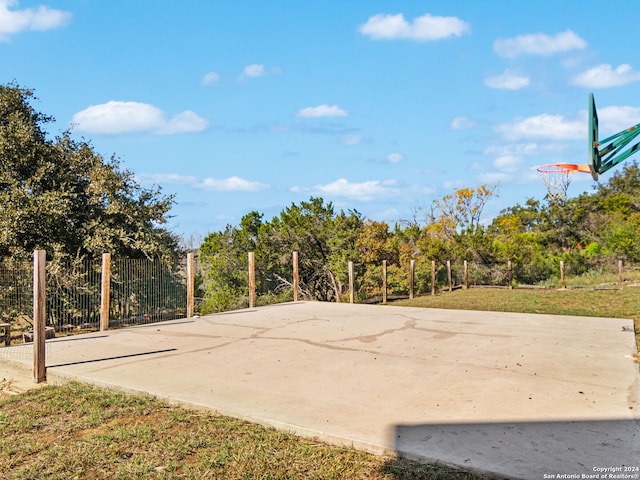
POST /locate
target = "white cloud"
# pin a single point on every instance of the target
(363, 191)
(389, 215)
(507, 167)
(39, 19)
(321, 111)
(395, 157)
(616, 119)
(513, 149)
(558, 128)
(603, 76)
(424, 28)
(351, 140)
(508, 163)
(507, 81)
(551, 127)
(160, 178)
(210, 78)
(254, 70)
(183, 122)
(231, 184)
(522, 149)
(115, 117)
(462, 123)
(495, 177)
(538, 44)
(235, 184)
(454, 184)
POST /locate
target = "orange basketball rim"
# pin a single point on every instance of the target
(557, 177)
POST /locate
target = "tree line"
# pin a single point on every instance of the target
(586, 232)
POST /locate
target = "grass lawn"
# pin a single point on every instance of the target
(80, 431)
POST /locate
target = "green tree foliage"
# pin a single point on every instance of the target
(516, 236)
(61, 196)
(342, 243)
(324, 240)
(611, 217)
(375, 244)
(223, 256)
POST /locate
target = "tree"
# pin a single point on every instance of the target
(346, 228)
(461, 211)
(61, 196)
(615, 214)
(325, 242)
(376, 243)
(454, 225)
(323, 239)
(223, 256)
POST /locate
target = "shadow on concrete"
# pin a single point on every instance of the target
(233, 312)
(75, 338)
(526, 450)
(94, 360)
(160, 324)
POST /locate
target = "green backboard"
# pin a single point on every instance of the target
(594, 156)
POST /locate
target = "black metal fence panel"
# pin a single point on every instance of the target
(146, 291)
(16, 294)
(142, 291)
(73, 294)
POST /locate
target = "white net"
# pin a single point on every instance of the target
(557, 179)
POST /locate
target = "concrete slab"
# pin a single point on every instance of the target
(518, 395)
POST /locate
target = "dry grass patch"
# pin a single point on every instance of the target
(80, 431)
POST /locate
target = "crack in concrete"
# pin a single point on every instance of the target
(261, 333)
(411, 324)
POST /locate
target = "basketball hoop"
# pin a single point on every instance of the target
(557, 178)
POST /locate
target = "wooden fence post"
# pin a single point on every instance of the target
(191, 276)
(562, 279)
(39, 315)
(449, 277)
(466, 275)
(252, 280)
(412, 272)
(620, 274)
(105, 292)
(433, 277)
(351, 283)
(384, 281)
(510, 274)
(296, 277)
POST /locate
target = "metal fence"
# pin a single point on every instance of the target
(16, 293)
(142, 291)
(73, 294)
(146, 291)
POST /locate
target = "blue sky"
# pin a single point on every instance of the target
(377, 106)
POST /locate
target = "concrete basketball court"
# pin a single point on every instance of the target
(518, 395)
